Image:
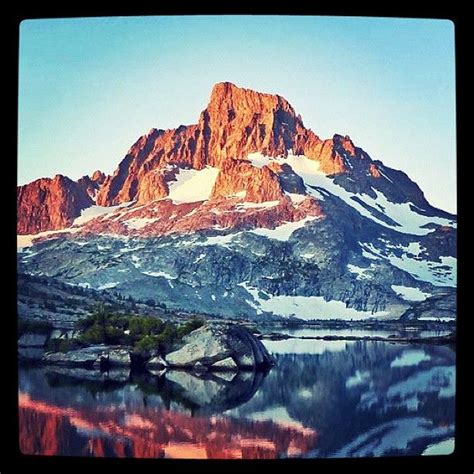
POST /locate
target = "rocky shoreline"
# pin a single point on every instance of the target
(212, 347)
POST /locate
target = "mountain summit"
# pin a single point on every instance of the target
(236, 124)
(250, 204)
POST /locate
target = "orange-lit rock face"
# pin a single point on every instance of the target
(235, 123)
(47, 429)
(49, 204)
(258, 184)
(242, 121)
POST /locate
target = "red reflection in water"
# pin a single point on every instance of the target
(153, 433)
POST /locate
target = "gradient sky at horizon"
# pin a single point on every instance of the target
(88, 88)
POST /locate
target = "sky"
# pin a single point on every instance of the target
(88, 88)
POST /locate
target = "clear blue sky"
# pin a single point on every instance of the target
(90, 87)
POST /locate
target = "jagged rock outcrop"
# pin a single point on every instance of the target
(91, 184)
(236, 123)
(49, 204)
(239, 176)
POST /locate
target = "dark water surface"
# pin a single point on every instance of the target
(322, 399)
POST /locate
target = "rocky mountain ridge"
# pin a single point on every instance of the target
(246, 213)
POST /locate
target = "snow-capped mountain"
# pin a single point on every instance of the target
(247, 213)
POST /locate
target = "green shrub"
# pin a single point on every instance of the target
(113, 335)
(189, 326)
(103, 326)
(147, 343)
(93, 335)
(142, 326)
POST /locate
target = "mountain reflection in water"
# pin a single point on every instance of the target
(360, 398)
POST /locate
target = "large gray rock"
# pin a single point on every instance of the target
(32, 340)
(100, 356)
(118, 357)
(213, 343)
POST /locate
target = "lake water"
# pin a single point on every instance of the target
(355, 332)
(322, 399)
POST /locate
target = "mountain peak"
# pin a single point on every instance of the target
(237, 123)
(223, 88)
(226, 95)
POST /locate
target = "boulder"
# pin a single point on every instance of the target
(100, 356)
(218, 342)
(32, 340)
(118, 357)
(63, 334)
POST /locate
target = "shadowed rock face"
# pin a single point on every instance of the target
(213, 343)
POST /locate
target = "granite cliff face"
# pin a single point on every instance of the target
(50, 204)
(247, 213)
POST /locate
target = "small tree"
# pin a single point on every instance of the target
(93, 335)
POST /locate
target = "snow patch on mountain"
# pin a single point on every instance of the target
(95, 211)
(284, 231)
(224, 240)
(257, 205)
(437, 273)
(23, 241)
(297, 198)
(109, 285)
(410, 293)
(359, 271)
(307, 307)
(193, 185)
(160, 274)
(139, 222)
